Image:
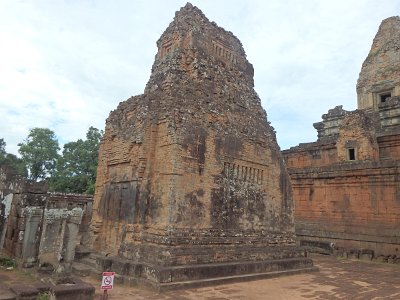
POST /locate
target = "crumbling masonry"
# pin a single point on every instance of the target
(346, 185)
(191, 185)
(40, 228)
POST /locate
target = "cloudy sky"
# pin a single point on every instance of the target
(66, 64)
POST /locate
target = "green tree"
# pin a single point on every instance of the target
(11, 160)
(39, 152)
(76, 168)
(2, 147)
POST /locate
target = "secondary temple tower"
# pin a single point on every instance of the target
(380, 73)
(191, 184)
(346, 184)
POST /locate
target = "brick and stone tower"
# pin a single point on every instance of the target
(380, 73)
(191, 183)
(346, 184)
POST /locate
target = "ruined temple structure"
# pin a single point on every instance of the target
(346, 185)
(39, 228)
(191, 185)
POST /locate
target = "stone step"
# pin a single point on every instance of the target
(81, 252)
(82, 270)
(95, 256)
(89, 262)
(162, 287)
(6, 294)
(24, 291)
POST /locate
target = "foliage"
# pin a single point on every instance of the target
(72, 172)
(39, 153)
(43, 296)
(8, 159)
(7, 262)
(76, 168)
(2, 147)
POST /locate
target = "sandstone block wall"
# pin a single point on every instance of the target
(351, 203)
(346, 184)
(354, 206)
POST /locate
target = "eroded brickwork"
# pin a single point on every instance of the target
(346, 184)
(380, 72)
(190, 171)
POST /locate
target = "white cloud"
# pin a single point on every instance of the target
(66, 64)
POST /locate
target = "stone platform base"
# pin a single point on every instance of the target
(161, 279)
(76, 289)
(229, 279)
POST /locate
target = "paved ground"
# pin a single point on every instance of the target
(337, 279)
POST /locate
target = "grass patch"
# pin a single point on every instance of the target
(43, 296)
(8, 262)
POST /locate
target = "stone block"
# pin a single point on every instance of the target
(79, 291)
(353, 254)
(25, 292)
(366, 254)
(381, 258)
(6, 294)
(42, 287)
(391, 259)
(81, 269)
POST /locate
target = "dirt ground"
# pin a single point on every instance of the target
(337, 279)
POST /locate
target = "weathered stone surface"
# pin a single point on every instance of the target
(78, 291)
(59, 236)
(25, 291)
(346, 184)
(190, 172)
(38, 226)
(11, 186)
(380, 72)
(74, 288)
(357, 131)
(6, 294)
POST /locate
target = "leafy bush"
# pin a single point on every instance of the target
(7, 262)
(43, 296)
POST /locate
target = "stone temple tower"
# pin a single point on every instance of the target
(191, 185)
(346, 184)
(380, 73)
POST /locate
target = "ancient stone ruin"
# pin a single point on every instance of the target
(380, 73)
(346, 185)
(44, 231)
(191, 185)
(39, 228)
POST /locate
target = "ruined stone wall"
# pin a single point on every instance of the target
(353, 203)
(65, 224)
(346, 185)
(312, 154)
(23, 225)
(355, 206)
(10, 183)
(358, 131)
(389, 147)
(45, 228)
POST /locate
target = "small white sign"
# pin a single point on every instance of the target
(107, 281)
